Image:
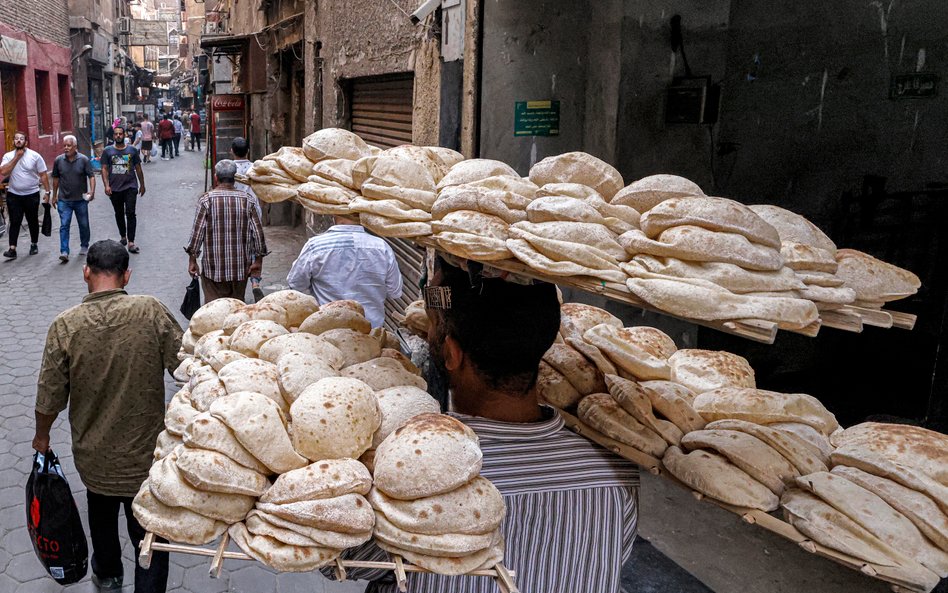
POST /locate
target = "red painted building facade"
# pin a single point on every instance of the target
(35, 90)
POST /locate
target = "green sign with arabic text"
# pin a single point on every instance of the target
(537, 118)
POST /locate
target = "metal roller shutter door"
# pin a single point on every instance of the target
(382, 109)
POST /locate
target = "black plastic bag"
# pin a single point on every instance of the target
(47, 229)
(52, 520)
(192, 299)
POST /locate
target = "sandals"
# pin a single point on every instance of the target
(133, 249)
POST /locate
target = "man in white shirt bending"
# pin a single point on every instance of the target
(345, 262)
(27, 171)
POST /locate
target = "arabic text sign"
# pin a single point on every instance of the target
(914, 85)
(537, 118)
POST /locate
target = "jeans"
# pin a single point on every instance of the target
(20, 206)
(124, 204)
(107, 549)
(66, 209)
(196, 136)
(177, 142)
(167, 144)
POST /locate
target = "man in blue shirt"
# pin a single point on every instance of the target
(123, 181)
(73, 189)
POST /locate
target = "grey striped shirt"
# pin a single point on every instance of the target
(571, 512)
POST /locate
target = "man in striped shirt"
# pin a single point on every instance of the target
(571, 505)
(227, 227)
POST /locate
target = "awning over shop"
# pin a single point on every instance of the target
(225, 43)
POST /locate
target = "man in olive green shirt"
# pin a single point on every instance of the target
(106, 360)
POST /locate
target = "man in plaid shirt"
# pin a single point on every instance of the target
(228, 228)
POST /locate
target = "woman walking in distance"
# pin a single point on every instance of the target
(123, 181)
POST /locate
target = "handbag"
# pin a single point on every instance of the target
(192, 299)
(47, 221)
(52, 520)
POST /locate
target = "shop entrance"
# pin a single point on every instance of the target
(9, 82)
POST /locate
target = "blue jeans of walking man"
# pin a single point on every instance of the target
(66, 209)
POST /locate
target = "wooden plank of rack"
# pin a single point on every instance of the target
(873, 317)
(903, 320)
(644, 460)
(841, 319)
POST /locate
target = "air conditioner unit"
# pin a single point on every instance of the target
(125, 25)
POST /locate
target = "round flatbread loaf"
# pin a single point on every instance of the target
(383, 373)
(306, 344)
(179, 414)
(210, 316)
(222, 358)
(793, 227)
(299, 370)
(216, 472)
(324, 479)
(757, 458)
(206, 393)
(646, 193)
(798, 452)
(874, 279)
(283, 530)
(555, 389)
(578, 167)
(211, 343)
(471, 246)
(356, 346)
(704, 370)
(335, 318)
(642, 352)
(258, 423)
(764, 407)
(559, 208)
(350, 304)
(188, 341)
(334, 143)
(809, 434)
(298, 305)
(251, 335)
(169, 487)
(334, 418)
(578, 318)
(714, 214)
(673, 401)
(452, 566)
(430, 454)
(601, 412)
(910, 446)
(281, 556)
(207, 432)
(633, 398)
(712, 475)
(182, 373)
(165, 444)
(448, 545)
(347, 513)
(255, 375)
(474, 508)
(268, 311)
(503, 205)
(397, 405)
(576, 368)
(176, 524)
(473, 170)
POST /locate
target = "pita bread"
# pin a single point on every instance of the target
(324, 479)
(582, 374)
(704, 370)
(673, 401)
(522, 187)
(181, 373)
(476, 507)
(399, 179)
(175, 524)
(595, 264)
(303, 343)
(298, 371)
(562, 209)
(578, 318)
(188, 341)
(334, 418)
(346, 513)
(798, 256)
(170, 488)
(633, 399)
(258, 424)
(711, 303)
(389, 208)
(472, 222)
(335, 318)
(555, 389)
(382, 373)
(250, 335)
(505, 205)
(877, 517)
(416, 318)
(179, 413)
(824, 295)
(283, 530)
(336, 170)
(324, 194)
(919, 508)
(255, 375)
(712, 475)
(729, 276)
(809, 434)
(602, 363)
(603, 413)
(923, 450)
(646, 193)
(430, 454)
(403, 361)
(471, 246)
(578, 167)
(794, 449)
(793, 227)
(165, 444)
(293, 160)
(215, 472)
(878, 465)
(298, 305)
(640, 351)
(389, 227)
(278, 555)
(398, 405)
(207, 432)
(473, 170)
(874, 279)
(485, 558)
(448, 156)
(355, 346)
(577, 233)
(346, 304)
(764, 407)
(211, 316)
(811, 278)
(273, 193)
(714, 214)
(222, 358)
(698, 244)
(750, 454)
(334, 143)
(448, 545)
(210, 343)
(420, 155)
(569, 190)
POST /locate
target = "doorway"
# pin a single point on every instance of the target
(10, 81)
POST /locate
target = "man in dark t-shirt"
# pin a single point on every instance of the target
(123, 181)
(73, 189)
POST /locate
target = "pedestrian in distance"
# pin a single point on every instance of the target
(239, 148)
(26, 171)
(195, 130)
(111, 377)
(228, 231)
(345, 262)
(124, 182)
(148, 137)
(73, 189)
(135, 133)
(166, 136)
(178, 130)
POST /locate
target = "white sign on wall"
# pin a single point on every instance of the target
(12, 51)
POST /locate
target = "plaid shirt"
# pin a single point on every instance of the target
(228, 226)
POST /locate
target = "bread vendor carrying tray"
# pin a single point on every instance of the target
(504, 577)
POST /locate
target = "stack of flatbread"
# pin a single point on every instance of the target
(270, 182)
(431, 505)
(327, 187)
(884, 501)
(713, 259)
(477, 202)
(646, 193)
(874, 281)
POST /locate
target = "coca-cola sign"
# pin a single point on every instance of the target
(227, 103)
